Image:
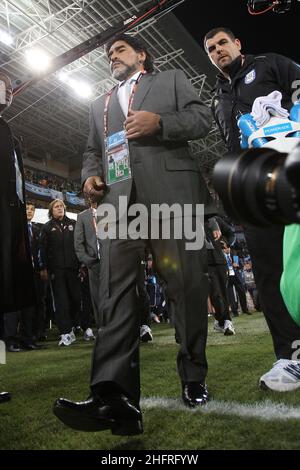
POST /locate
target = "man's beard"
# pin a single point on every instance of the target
(124, 73)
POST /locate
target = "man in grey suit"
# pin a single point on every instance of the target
(160, 115)
(87, 251)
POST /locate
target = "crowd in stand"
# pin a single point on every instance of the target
(57, 270)
(50, 181)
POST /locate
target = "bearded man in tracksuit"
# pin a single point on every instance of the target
(242, 79)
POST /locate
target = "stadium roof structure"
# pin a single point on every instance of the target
(51, 120)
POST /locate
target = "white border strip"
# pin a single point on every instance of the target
(265, 410)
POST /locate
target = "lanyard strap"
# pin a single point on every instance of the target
(107, 100)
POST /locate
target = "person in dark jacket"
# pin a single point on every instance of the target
(58, 259)
(217, 272)
(87, 250)
(242, 79)
(16, 274)
(32, 321)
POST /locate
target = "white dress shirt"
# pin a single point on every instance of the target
(125, 90)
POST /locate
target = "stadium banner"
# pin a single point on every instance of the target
(73, 199)
(46, 193)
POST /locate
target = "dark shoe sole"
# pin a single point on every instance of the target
(194, 404)
(86, 423)
(79, 421)
(4, 399)
(127, 428)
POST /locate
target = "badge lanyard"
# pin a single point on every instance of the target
(117, 153)
(107, 100)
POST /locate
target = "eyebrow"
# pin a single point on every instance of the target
(220, 42)
(115, 49)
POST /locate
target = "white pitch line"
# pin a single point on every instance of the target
(265, 410)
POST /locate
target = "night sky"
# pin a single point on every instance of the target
(271, 32)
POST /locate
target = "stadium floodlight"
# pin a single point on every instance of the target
(6, 38)
(81, 88)
(63, 76)
(38, 60)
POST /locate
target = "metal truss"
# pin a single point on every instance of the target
(49, 117)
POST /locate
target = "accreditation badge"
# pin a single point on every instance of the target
(117, 158)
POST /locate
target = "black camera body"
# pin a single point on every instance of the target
(260, 186)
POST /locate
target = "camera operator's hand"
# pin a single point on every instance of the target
(94, 188)
(44, 275)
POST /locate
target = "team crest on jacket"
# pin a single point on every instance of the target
(250, 77)
(71, 228)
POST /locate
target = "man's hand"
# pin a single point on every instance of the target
(93, 188)
(141, 124)
(217, 234)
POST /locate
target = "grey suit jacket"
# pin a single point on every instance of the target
(85, 241)
(163, 169)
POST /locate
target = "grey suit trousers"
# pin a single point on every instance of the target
(116, 353)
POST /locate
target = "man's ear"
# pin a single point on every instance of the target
(238, 44)
(142, 57)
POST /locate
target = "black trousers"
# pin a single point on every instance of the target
(255, 298)
(265, 247)
(86, 314)
(143, 298)
(10, 327)
(218, 292)
(116, 352)
(66, 292)
(234, 281)
(94, 280)
(33, 319)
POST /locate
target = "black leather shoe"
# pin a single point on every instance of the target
(13, 348)
(31, 347)
(194, 394)
(116, 413)
(5, 396)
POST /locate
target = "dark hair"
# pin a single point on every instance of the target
(215, 31)
(50, 211)
(137, 44)
(30, 203)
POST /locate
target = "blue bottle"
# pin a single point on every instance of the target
(247, 125)
(243, 142)
(295, 116)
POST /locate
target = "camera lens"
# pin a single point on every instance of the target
(254, 188)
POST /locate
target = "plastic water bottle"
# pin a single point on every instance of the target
(295, 116)
(243, 142)
(247, 125)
